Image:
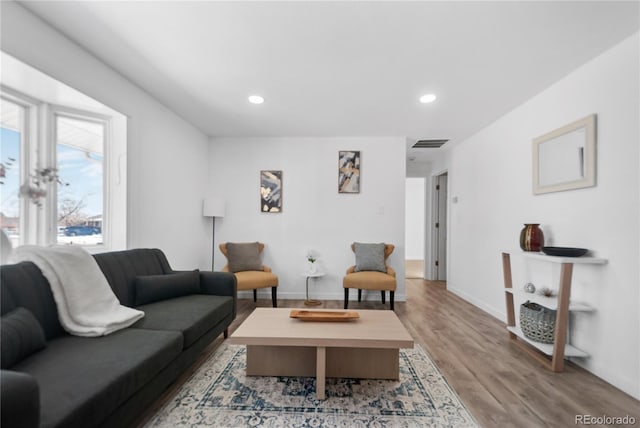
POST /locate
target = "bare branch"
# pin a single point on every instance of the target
(70, 212)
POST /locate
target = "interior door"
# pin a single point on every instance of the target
(440, 228)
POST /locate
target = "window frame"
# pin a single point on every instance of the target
(28, 213)
(56, 111)
(38, 149)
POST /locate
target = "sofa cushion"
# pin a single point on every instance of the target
(250, 280)
(83, 380)
(191, 315)
(370, 280)
(369, 257)
(21, 335)
(20, 403)
(122, 267)
(23, 285)
(152, 288)
(243, 256)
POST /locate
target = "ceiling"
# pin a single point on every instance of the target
(343, 68)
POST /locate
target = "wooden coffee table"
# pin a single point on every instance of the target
(366, 348)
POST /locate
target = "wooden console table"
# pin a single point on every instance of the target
(551, 355)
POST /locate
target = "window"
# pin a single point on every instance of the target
(54, 174)
(64, 163)
(80, 143)
(11, 136)
(52, 190)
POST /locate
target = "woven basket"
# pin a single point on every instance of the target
(537, 322)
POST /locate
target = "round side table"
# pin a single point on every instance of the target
(318, 274)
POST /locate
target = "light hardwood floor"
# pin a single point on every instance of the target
(499, 383)
(414, 269)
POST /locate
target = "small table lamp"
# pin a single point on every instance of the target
(213, 207)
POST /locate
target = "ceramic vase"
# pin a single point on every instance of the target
(531, 237)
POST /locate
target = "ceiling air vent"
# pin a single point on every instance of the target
(429, 144)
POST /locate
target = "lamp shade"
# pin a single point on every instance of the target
(213, 207)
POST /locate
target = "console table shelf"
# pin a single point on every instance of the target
(549, 302)
(559, 349)
(556, 259)
(547, 348)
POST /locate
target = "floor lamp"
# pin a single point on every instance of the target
(213, 207)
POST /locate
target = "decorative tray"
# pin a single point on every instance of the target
(564, 251)
(305, 315)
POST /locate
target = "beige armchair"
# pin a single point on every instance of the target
(371, 279)
(243, 260)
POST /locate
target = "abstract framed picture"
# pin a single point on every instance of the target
(271, 191)
(349, 171)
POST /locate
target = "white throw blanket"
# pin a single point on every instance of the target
(86, 303)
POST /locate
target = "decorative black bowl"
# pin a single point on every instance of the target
(564, 251)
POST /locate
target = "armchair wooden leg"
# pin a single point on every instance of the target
(359, 295)
(225, 333)
(255, 295)
(346, 298)
(383, 297)
(274, 296)
(391, 293)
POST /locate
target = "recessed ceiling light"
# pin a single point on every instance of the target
(427, 98)
(256, 99)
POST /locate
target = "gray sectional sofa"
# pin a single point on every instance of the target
(52, 379)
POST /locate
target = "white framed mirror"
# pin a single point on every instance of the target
(565, 159)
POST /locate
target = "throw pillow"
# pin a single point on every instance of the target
(20, 336)
(370, 257)
(243, 256)
(153, 288)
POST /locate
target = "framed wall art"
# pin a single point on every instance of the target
(349, 171)
(271, 191)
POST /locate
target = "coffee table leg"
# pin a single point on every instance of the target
(321, 367)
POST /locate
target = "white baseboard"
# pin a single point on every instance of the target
(603, 372)
(502, 316)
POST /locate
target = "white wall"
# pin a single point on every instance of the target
(314, 216)
(415, 218)
(167, 157)
(490, 173)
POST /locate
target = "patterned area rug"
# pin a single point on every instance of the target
(220, 395)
